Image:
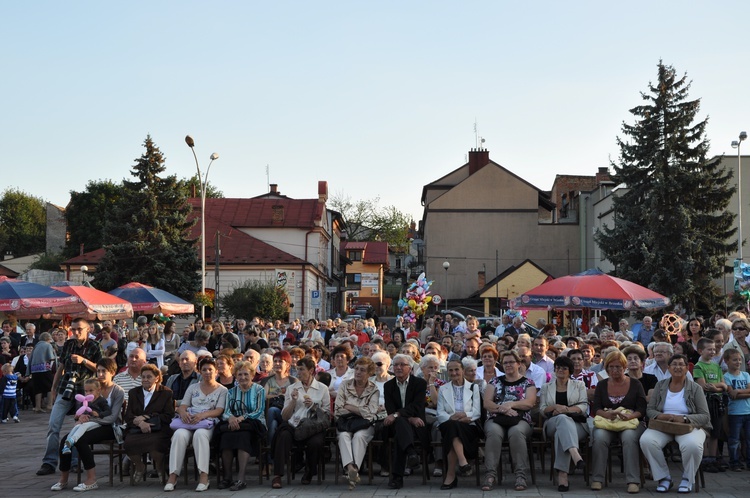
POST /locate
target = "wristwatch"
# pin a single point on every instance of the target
(395, 414)
(687, 420)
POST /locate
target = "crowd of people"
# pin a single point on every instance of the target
(233, 388)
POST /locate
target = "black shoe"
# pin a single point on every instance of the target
(45, 470)
(451, 485)
(465, 470)
(563, 488)
(581, 465)
(396, 483)
(225, 484)
(413, 461)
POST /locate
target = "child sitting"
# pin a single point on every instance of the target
(99, 409)
(8, 388)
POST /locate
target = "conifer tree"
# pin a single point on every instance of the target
(147, 236)
(672, 232)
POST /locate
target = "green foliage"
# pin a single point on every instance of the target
(146, 236)
(87, 214)
(23, 223)
(671, 224)
(48, 262)
(365, 220)
(192, 188)
(255, 298)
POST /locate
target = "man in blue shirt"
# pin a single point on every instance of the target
(646, 334)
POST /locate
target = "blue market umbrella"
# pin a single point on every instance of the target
(19, 295)
(150, 300)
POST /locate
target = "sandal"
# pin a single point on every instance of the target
(520, 483)
(238, 486)
(276, 483)
(685, 487)
(664, 485)
(489, 483)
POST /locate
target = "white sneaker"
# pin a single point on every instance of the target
(169, 487)
(15, 419)
(59, 486)
(85, 487)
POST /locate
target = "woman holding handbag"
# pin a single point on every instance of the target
(508, 400)
(301, 397)
(459, 407)
(618, 400)
(564, 405)
(680, 403)
(356, 409)
(243, 424)
(202, 405)
(148, 414)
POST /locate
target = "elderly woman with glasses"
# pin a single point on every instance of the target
(508, 401)
(618, 391)
(677, 399)
(564, 406)
(740, 328)
(356, 409)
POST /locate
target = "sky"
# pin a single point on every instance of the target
(376, 98)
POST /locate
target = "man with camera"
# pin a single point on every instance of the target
(77, 363)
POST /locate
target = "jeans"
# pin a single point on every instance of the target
(273, 420)
(738, 424)
(56, 420)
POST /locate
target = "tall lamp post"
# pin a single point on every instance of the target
(446, 265)
(202, 181)
(736, 145)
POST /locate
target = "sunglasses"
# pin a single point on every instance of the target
(733, 328)
(379, 363)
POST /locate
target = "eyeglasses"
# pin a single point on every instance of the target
(379, 363)
(739, 328)
(395, 365)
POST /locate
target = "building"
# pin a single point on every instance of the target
(483, 217)
(365, 275)
(271, 238)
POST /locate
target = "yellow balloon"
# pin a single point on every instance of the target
(412, 303)
(428, 299)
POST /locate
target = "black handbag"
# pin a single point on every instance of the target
(507, 420)
(316, 422)
(352, 423)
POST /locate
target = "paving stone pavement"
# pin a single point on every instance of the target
(23, 446)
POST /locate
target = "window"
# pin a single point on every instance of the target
(354, 281)
(355, 255)
(398, 263)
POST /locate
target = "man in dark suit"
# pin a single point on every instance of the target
(404, 402)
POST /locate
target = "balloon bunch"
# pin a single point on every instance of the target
(517, 313)
(742, 279)
(416, 301)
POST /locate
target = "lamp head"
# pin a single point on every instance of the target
(84, 269)
(214, 156)
(446, 265)
(743, 135)
(189, 140)
(735, 144)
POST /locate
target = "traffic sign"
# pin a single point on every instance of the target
(436, 299)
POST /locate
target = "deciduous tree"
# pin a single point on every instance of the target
(23, 223)
(366, 220)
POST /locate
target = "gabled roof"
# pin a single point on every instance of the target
(544, 196)
(375, 252)
(88, 258)
(508, 271)
(263, 212)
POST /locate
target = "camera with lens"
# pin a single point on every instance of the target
(70, 387)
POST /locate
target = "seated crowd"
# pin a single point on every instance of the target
(281, 394)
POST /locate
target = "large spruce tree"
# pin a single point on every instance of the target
(672, 230)
(147, 237)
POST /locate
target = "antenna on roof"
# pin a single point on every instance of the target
(476, 137)
(268, 179)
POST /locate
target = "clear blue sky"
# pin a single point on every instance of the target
(377, 98)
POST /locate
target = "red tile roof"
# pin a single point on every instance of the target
(259, 212)
(92, 257)
(375, 253)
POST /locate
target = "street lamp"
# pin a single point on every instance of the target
(736, 145)
(202, 181)
(446, 265)
(84, 270)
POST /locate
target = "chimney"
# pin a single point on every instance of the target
(274, 188)
(277, 214)
(478, 158)
(322, 191)
(481, 279)
(602, 175)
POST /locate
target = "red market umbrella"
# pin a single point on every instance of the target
(20, 296)
(95, 304)
(150, 300)
(590, 289)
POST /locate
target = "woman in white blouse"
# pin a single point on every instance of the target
(204, 400)
(341, 356)
(154, 345)
(458, 409)
(299, 399)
